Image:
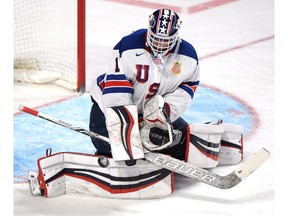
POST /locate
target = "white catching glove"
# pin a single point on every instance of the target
(156, 131)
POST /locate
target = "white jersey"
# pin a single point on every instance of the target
(134, 76)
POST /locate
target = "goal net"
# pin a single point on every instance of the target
(49, 42)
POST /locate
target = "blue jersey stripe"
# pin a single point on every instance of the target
(116, 77)
(118, 90)
(189, 87)
(188, 90)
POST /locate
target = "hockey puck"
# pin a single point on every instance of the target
(103, 161)
(130, 162)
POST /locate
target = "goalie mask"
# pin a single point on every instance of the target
(164, 25)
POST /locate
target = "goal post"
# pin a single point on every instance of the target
(81, 47)
(49, 42)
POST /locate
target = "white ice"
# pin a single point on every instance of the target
(246, 72)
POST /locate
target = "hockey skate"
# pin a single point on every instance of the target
(33, 183)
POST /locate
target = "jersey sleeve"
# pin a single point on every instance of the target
(179, 100)
(117, 84)
(117, 88)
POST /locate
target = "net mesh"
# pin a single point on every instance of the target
(45, 40)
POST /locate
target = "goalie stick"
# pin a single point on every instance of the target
(175, 165)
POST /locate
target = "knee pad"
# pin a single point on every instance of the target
(204, 147)
(231, 150)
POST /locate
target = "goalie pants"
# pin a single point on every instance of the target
(98, 125)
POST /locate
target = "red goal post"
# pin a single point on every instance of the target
(49, 42)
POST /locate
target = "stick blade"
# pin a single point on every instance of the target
(252, 163)
(246, 169)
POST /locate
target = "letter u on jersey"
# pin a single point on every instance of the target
(142, 73)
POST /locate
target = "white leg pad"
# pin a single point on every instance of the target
(75, 173)
(231, 151)
(204, 147)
